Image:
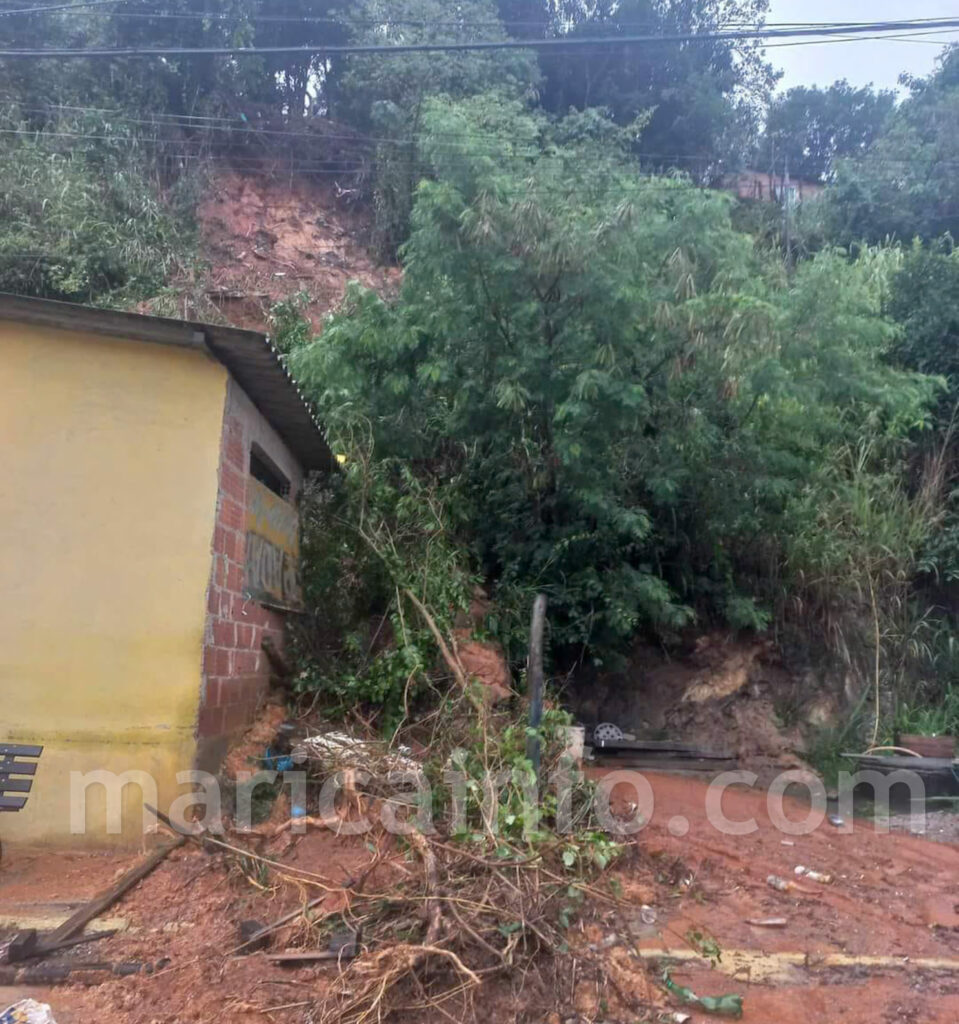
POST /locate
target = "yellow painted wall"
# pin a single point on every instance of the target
(107, 495)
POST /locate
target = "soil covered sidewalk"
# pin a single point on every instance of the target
(876, 945)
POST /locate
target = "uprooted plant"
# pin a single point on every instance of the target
(500, 859)
(501, 873)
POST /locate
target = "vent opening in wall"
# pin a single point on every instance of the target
(264, 469)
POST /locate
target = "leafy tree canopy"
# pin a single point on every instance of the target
(807, 129)
(905, 185)
(629, 400)
(705, 98)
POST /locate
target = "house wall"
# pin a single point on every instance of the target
(108, 494)
(767, 187)
(236, 672)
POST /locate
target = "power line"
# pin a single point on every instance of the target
(343, 166)
(386, 21)
(464, 155)
(740, 35)
(242, 127)
(62, 7)
(910, 37)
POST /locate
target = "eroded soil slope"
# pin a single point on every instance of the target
(267, 238)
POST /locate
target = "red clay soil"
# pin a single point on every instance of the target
(187, 912)
(266, 238)
(892, 895)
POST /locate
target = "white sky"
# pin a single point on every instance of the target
(869, 61)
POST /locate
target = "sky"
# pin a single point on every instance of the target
(869, 61)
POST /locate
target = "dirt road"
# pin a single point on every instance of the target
(852, 951)
(880, 945)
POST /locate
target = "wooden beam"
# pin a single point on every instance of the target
(78, 921)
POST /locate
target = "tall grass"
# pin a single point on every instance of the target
(88, 219)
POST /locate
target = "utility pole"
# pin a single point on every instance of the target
(784, 197)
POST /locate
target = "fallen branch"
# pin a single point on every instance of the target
(434, 913)
(269, 929)
(78, 921)
(454, 664)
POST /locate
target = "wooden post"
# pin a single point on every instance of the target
(535, 678)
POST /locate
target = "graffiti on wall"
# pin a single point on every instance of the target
(272, 548)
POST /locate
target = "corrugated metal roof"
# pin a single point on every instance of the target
(248, 355)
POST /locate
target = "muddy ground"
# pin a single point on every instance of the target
(266, 238)
(878, 945)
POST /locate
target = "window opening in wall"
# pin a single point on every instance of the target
(264, 469)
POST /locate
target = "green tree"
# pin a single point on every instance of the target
(387, 97)
(705, 98)
(629, 399)
(906, 183)
(807, 129)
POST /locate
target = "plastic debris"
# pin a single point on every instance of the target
(784, 885)
(28, 1011)
(836, 821)
(815, 876)
(647, 915)
(767, 922)
(779, 884)
(338, 751)
(722, 1006)
(278, 762)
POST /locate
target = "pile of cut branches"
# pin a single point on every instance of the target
(460, 920)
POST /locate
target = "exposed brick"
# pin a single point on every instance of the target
(211, 722)
(231, 545)
(244, 661)
(232, 514)
(234, 577)
(236, 672)
(235, 453)
(230, 691)
(216, 661)
(211, 692)
(250, 612)
(224, 633)
(233, 483)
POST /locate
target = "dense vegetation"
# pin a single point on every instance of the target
(601, 379)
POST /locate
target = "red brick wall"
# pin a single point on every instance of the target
(236, 672)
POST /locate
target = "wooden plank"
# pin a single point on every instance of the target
(301, 956)
(19, 750)
(11, 767)
(78, 921)
(672, 745)
(8, 785)
(12, 803)
(666, 764)
(915, 763)
(664, 755)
